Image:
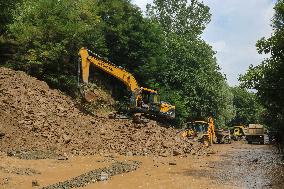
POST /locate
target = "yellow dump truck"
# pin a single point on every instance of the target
(255, 133)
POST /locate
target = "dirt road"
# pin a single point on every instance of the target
(237, 165)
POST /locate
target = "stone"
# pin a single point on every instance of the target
(66, 138)
(35, 183)
(2, 135)
(176, 153)
(104, 176)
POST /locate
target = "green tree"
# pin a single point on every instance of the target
(180, 17)
(268, 78)
(131, 40)
(51, 33)
(191, 78)
(248, 108)
(6, 8)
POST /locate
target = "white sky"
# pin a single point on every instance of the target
(235, 27)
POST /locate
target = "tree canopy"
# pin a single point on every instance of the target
(268, 77)
(247, 106)
(6, 9)
(190, 72)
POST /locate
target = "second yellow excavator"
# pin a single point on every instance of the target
(142, 100)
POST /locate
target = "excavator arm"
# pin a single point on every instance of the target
(143, 100)
(121, 74)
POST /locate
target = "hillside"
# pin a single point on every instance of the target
(35, 117)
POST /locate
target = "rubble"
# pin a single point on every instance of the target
(37, 118)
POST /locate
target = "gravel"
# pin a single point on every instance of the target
(96, 175)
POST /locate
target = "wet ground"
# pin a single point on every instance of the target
(236, 165)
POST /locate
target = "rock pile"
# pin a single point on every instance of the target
(35, 117)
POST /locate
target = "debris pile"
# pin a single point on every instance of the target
(35, 117)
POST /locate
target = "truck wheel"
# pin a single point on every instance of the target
(262, 142)
(227, 141)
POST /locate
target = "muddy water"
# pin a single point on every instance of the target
(47, 171)
(238, 165)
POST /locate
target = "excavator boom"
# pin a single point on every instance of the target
(143, 100)
(121, 74)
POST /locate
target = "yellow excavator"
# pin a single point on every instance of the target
(142, 100)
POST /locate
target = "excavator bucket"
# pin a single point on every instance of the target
(85, 64)
(85, 90)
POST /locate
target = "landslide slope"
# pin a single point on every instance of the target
(35, 117)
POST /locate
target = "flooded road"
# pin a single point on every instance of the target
(237, 165)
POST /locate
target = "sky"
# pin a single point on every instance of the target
(235, 27)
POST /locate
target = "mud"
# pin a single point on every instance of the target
(230, 166)
(19, 171)
(96, 175)
(237, 166)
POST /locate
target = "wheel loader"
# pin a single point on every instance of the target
(202, 131)
(238, 132)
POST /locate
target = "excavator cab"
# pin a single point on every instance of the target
(200, 126)
(148, 100)
(150, 96)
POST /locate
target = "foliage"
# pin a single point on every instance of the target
(131, 40)
(6, 8)
(248, 108)
(268, 78)
(189, 71)
(180, 17)
(50, 34)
